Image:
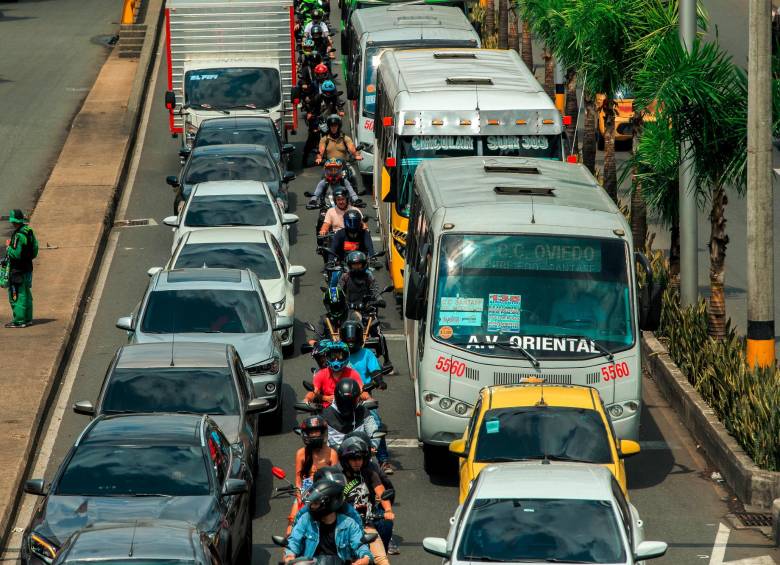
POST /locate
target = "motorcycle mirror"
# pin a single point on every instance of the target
(305, 407)
(388, 288)
(369, 538)
(281, 541)
(310, 327)
(378, 435)
(379, 254)
(371, 404)
(388, 494)
(308, 386)
(278, 472)
(297, 430)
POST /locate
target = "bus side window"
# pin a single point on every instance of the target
(411, 235)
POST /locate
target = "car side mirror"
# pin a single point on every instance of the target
(170, 100)
(257, 405)
(458, 447)
(288, 219)
(35, 486)
(153, 271)
(84, 407)
(296, 271)
(648, 550)
(283, 323)
(173, 181)
(628, 448)
(288, 148)
(234, 486)
(125, 323)
(288, 176)
(436, 546)
(172, 221)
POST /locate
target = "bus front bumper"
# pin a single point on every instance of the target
(437, 428)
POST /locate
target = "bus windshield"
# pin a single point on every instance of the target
(557, 297)
(413, 150)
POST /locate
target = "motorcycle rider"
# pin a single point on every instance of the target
(335, 474)
(316, 20)
(336, 144)
(334, 217)
(354, 237)
(358, 284)
(324, 531)
(335, 177)
(326, 380)
(330, 100)
(319, 34)
(335, 313)
(347, 414)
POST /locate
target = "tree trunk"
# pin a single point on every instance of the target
(638, 206)
(572, 109)
(610, 168)
(513, 35)
(490, 18)
(527, 51)
(718, 241)
(589, 134)
(549, 73)
(674, 249)
(503, 24)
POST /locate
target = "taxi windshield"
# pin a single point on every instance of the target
(557, 297)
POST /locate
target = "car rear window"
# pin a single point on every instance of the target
(257, 257)
(230, 210)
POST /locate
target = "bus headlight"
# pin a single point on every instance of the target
(622, 410)
(461, 409)
(447, 405)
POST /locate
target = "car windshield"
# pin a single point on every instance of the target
(135, 470)
(201, 390)
(541, 530)
(369, 81)
(204, 168)
(233, 88)
(230, 210)
(261, 135)
(556, 297)
(575, 434)
(204, 311)
(257, 257)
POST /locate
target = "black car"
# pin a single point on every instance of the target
(145, 467)
(142, 542)
(230, 162)
(200, 378)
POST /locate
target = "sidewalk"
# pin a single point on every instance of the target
(70, 220)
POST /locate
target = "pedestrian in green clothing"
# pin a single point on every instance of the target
(22, 249)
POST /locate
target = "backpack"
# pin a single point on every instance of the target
(30, 250)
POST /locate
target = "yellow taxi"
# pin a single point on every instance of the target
(624, 116)
(535, 421)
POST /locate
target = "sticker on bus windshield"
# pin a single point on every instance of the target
(443, 142)
(534, 343)
(460, 318)
(203, 77)
(504, 313)
(445, 332)
(461, 304)
(516, 142)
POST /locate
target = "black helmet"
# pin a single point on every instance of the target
(346, 395)
(334, 474)
(309, 428)
(355, 258)
(333, 119)
(329, 495)
(316, 31)
(351, 333)
(316, 13)
(351, 448)
(353, 223)
(340, 190)
(335, 302)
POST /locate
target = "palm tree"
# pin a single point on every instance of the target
(527, 48)
(513, 35)
(490, 19)
(503, 24)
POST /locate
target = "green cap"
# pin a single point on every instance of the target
(16, 216)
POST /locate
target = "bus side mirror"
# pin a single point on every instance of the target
(170, 100)
(650, 296)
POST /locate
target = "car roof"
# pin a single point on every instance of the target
(540, 479)
(145, 539)
(177, 354)
(230, 149)
(144, 429)
(238, 122)
(227, 187)
(199, 278)
(518, 395)
(228, 235)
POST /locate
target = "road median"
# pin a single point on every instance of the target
(72, 220)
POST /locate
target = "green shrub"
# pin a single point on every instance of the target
(746, 401)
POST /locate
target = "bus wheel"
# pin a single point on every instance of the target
(436, 460)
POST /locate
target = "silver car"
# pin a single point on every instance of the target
(221, 306)
(545, 512)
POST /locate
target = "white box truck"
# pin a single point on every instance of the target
(229, 58)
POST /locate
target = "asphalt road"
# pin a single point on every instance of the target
(669, 481)
(50, 54)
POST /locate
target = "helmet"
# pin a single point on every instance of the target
(316, 31)
(328, 87)
(331, 474)
(353, 223)
(335, 302)
(321, 70)
(351, 448)
(327, 495)
(316, 13)
(337, 356)
(307, 46)
(347, 393)
(313, 431)
(356, 258)
(333, 119)
(339, 191)
(351, 333)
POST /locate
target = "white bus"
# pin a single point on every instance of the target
(517, 268)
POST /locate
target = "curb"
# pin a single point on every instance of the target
(73, 321)
(753, 486)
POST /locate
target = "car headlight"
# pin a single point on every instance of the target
(447, 405)
(269, 366)
(279, 306)
(42, 547)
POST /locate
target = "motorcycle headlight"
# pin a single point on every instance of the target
(279, 306)
(42, 548)
(269, 366)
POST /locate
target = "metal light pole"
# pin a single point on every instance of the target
(689, 220)
(760, 209)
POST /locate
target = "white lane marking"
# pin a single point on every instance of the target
(719, 548)
(763, 560)
(402, 442)
(46, 447)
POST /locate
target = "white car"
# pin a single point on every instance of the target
(545, 511)
(232, 204)
(242, 248)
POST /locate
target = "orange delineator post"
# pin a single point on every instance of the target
(128, 12)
